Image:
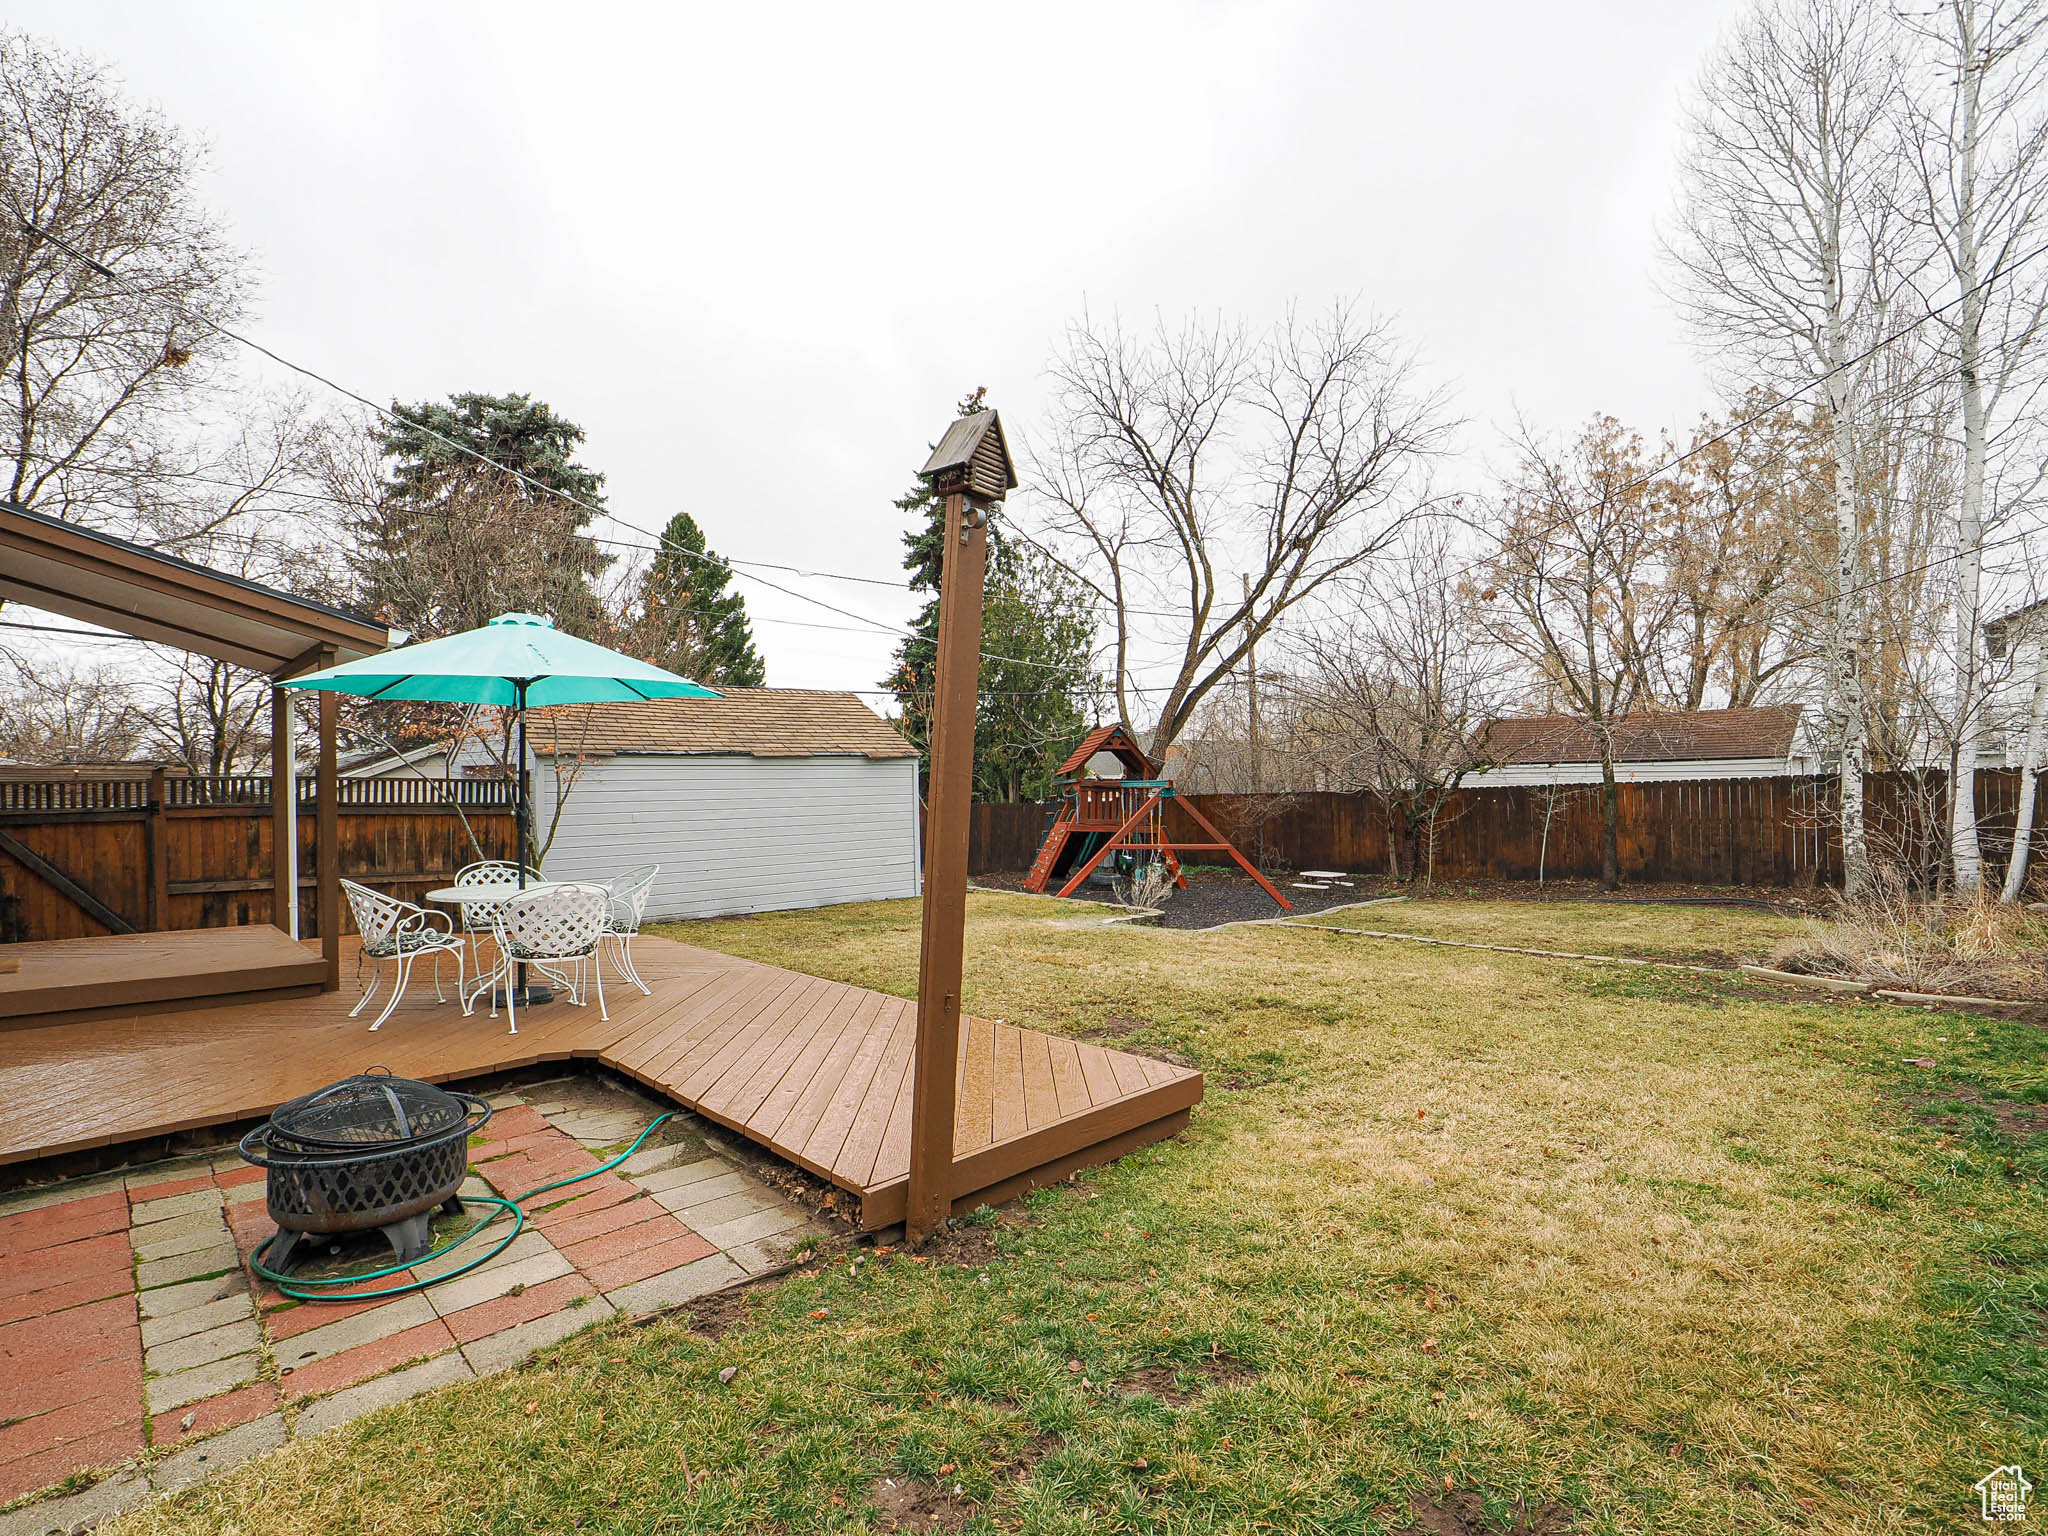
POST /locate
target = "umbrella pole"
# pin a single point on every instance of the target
(524, 821)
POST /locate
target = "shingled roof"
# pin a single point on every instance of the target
(752, 722)
(1762, 731)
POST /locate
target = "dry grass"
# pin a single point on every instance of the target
(1896, 937)
(1682, 1260)
(1668, 932)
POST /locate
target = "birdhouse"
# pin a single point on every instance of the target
(972, 459)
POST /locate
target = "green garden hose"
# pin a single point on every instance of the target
(305, 1289)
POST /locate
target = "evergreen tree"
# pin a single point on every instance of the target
(1037, 681)
(449, 542)
(687, 620)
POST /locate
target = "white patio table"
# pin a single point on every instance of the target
(488, 893)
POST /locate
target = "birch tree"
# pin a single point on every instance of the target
(1182, 458)
(2030, 769)
(1978, 134)
(1788, 254)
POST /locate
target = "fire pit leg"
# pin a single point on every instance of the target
(411, 1237)
(282, 1248)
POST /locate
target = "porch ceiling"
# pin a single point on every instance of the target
(99, 579)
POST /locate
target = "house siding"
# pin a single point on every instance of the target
(736, 833)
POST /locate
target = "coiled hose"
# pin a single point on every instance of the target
(316, 1289)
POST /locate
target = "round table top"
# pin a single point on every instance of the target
(487, 891)
(482, 891)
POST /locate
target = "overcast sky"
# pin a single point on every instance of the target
(758, 252)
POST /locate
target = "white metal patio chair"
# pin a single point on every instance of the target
(479, 918)
(550, 928)
(401, 932)
(622, 920)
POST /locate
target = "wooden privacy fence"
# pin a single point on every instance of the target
(1766, 831)
(136, 851)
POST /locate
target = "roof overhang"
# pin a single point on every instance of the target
(99, 579)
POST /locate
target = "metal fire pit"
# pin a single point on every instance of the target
(369, 1151)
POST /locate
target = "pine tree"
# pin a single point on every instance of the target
(451, 542)
(688, 621)
(1037, 682)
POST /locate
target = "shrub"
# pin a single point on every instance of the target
(1894, 936)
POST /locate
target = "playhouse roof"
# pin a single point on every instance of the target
(1109, 738)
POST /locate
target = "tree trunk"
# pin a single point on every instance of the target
(2030, 779)
(1968, 859)
(1846, 641)
(1610, 825)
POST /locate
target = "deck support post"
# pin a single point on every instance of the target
(327, 866)
(284, 815)
(971, 469)
(940, 963)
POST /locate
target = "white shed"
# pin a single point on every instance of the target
(764, 799)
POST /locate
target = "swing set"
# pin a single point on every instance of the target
(1113, 805)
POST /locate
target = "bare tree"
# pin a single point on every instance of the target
(1401, 692)
(1788, 251)
(1747, 509)
(209, 717)
(1182, 459)
(100, 373)
(1979, 140)
(1576, 587)
(67, 714)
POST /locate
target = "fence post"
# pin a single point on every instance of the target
(157, 840)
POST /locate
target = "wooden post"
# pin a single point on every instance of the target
(284, 819)
(971, 468)
(327, 865)
(158, 839)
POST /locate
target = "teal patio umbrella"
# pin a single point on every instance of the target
(518, 661)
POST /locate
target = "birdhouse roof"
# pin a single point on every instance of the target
(975, 446)
(1109, 738)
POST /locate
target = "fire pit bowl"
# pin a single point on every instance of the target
(372, 1150)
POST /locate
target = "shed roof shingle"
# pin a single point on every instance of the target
(1763, 731)
(755, 722)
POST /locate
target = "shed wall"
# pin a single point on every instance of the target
(737, 833)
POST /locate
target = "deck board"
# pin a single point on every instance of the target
(817, 1071)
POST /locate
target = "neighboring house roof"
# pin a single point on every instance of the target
(754, 722)
(2018, 624)
(1676, 736)
(1109, 738)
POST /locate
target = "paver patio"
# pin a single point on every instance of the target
(129, 1323)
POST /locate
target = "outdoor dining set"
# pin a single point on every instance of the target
(562, 929)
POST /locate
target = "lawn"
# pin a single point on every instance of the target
(1633, 1245)
(1699, 933)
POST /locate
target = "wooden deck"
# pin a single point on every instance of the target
(131, 972)
(814, 1070)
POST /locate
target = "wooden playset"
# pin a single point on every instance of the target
(1113, 802)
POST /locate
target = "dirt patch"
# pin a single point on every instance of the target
(963, 1242)
(1036, 1451)
(1164, 1381)
(1464, 1514)
(2014, 1121)
(1213, 897)
(905, 1504)
(1118, 1026)
(713, 1316)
